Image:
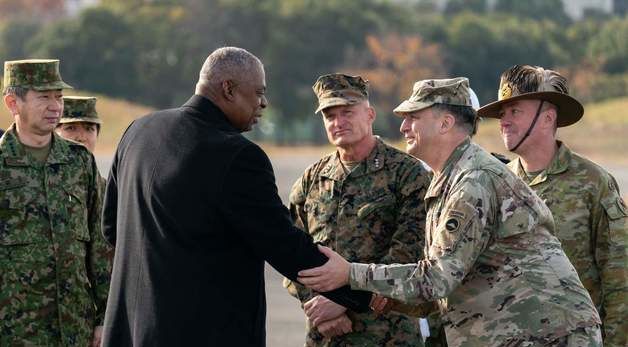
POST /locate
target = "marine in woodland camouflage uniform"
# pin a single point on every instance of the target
(80, 121)
(589, 213)
(54, 275)
(498, 274)
(372, 212)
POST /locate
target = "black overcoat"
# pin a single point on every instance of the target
(193, 211)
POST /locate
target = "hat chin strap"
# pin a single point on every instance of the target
(536, 117)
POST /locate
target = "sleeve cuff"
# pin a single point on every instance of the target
(358, 276)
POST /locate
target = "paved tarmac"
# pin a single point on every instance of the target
(285, 322)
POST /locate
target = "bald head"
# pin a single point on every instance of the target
(226, 64)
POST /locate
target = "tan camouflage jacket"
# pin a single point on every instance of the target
(374, 214)
(592, 225)
(54, 270)
(498, 273)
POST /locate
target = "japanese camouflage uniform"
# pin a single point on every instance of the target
(590, 216)
(373, 213)
(499, 275)
(83, 109)
(54, 273)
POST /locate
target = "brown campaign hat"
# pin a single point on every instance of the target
(534, 82)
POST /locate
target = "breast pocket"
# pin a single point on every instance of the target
(377, 219)
(76, 212)
(320, 219)
(18, 214)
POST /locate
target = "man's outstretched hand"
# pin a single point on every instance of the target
(331, 275)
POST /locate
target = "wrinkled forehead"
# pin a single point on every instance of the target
(519, 103)
(332, 110)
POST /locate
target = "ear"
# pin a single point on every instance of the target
(10, 101)
(227, 88)
(372, 114)
(550, 117)
(447, 122)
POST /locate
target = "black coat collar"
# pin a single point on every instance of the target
(207, 111)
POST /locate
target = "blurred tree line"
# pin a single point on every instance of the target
(150, 51)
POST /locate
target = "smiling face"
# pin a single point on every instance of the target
(249, 100)
(420, 129)
(38, 113)
(85, 133)
(515, 119)
(348, 125)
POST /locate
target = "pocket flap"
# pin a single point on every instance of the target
(376, 204)
(615, 207)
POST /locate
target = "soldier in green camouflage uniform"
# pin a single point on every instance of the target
(499, 275)
(368, 207)
(80, 122)
(590, 215)
(54, 275)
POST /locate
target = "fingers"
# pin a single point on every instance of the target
(316, 283)
(326, 251)
(346, 326)
(335, 327)
(315, 271)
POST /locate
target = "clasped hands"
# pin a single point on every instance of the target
(326, 316)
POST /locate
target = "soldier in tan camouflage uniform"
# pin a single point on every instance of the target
(499, 275)
(590, 216)
(54, 275)
(80, 122)
(365, 201)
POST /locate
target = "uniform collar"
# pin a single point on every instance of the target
(373, 163)
(13, 153)
(559, 164)
(438, 183)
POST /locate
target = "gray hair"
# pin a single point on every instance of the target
(226, 63)
(466, 117)
(18, 91)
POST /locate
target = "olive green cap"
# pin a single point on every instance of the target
(35, 74)
(79, 109)
(425, 93)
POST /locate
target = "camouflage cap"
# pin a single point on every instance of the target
(425, 93)
(36, 74)
(79, 109)
(339, 90)
(534, 82)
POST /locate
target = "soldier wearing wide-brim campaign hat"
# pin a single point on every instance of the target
(35, 74)
(340, 90)
(534, 82)
(583, 197)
